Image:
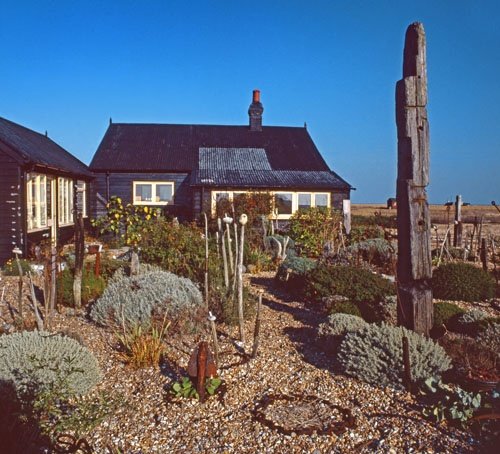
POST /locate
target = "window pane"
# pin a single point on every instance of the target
(143, 193)
(304, 201)
(163, 192)
(283, 203)
(219, 196)
(321, 200)
(43, 201)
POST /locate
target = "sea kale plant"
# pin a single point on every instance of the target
(133, 300)
(37, 362)
(374, 354)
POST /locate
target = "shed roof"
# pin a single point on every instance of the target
(34, 148)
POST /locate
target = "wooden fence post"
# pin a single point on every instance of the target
(415, 309)
(457, 237)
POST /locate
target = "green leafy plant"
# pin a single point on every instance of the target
(374, 354)
(129, 221)
(449, 403)
(444, 312)
(10, 267)
(357, 284)
(313, 228)
(462, 282)
(344, 307)
(293, 270)
(187, 389)
(92, 287)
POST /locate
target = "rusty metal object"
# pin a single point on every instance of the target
(210, 369)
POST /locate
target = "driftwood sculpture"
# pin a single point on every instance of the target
(415, 310)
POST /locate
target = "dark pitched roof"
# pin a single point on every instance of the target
(38, 149)
(268, 179)
(163, 147)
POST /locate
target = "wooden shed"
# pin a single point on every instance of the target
(42, 187)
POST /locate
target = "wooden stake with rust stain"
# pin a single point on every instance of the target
(201, 364)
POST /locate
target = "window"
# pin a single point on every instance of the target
(321, 200)
(36, 201)
(81, 198)
(283, 202)
(304, 201)
(65, 201)
(153, 192)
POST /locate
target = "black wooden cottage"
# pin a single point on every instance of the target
(42, 186)
(187, 168)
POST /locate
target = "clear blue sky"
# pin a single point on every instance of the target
(66, 67)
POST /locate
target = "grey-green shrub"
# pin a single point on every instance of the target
(374, 354)
(340, 324)
(470, 322)
(35, 362)
(489, 337)
(133, 299)
(473, 316)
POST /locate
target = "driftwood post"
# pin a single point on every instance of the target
(346, 210)
(256, 332)
(79, 254)
(484, 255)
(17, 252)
(206, 258)
(415, 310)
(457, 237)
(241, 319)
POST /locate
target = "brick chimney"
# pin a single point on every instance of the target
(255, 112)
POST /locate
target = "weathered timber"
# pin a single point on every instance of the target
(79, 256)
(346, 210)
(457, 237)
(484, 254)
(415, 310)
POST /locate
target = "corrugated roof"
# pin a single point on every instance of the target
(268, 179)
(164, 147)
(233, 159)
(38, 149)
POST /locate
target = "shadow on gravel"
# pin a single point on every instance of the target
(305, 338)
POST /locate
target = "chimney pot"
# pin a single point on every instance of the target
(256, 96)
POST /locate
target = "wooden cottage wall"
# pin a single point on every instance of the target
(121, 185)
(338, 196)
(10, 206)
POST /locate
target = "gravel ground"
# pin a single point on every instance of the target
(148, 421)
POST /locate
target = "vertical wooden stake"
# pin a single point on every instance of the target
(206, 259)
(457, 237)
(79, 256)
(243, 221)
(346, 209)
(97, 269)
(256, 332)
(407, 365)
(484, 255)
(53, 278)
(135, 265)
(39, 321)
(414, 270)
(224, 257)
(227, 220)
(211, 319)
(19, 284)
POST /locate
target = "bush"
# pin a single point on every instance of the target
(462, 282)
(376, 251)
(354, 283)
(341, 324)
(472, 322)
(489, 337)
(374, 354)
(343, 307)
(10, 267)
(37, 362)
(384, 310)
(92, 287)
(299, 266)
(444, 312)
(135, 300)
(177, 248)
(313, 228)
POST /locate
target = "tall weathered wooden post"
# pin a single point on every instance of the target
(415, 310)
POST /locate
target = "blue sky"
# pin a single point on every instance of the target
(66, 67)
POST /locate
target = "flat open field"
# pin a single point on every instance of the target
(442, 215)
